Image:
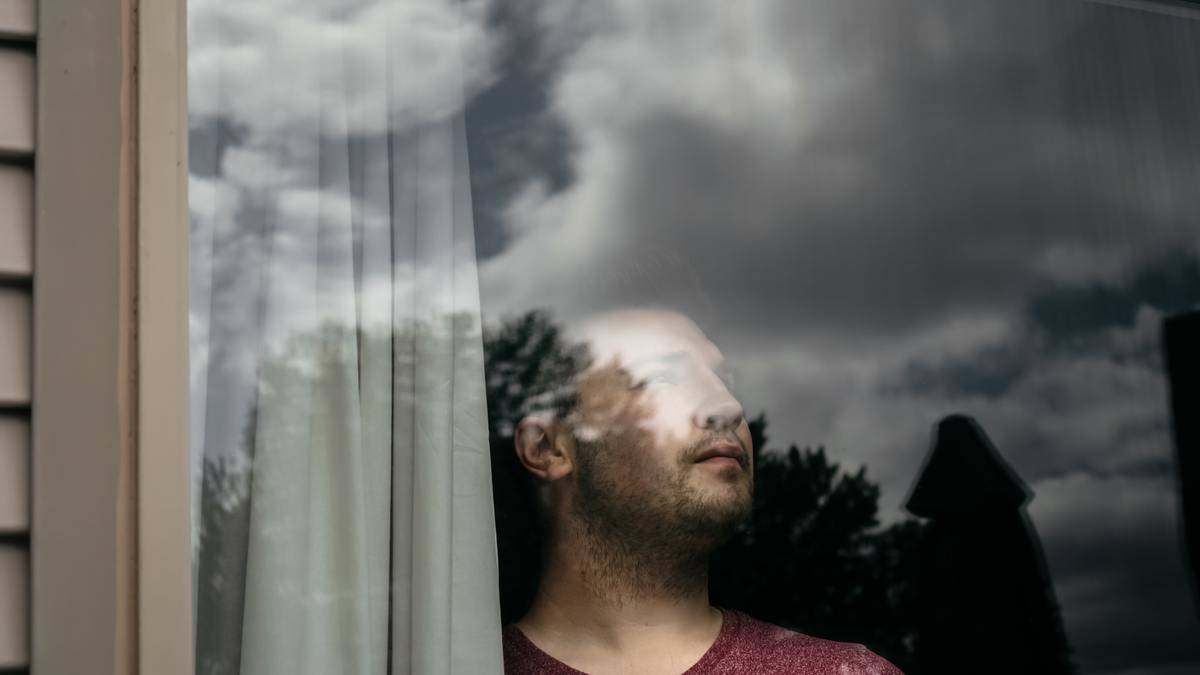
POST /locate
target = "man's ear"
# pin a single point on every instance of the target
(542, 447)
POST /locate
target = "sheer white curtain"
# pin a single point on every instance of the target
(344, 517)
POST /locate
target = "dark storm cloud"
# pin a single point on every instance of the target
(207, 141)
(512, 136)
(869, 193)
(1066, 319)
(1169, 284)
(1114, 552)
(956, 168)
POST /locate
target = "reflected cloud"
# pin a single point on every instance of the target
(271, 67)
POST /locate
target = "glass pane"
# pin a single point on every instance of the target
(902, 268)
(343, 509)
(884, 214)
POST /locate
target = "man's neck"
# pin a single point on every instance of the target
(604, 601)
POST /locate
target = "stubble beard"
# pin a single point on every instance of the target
(651, 538)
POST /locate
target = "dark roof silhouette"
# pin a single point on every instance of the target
(964, 474)
(1181, 335)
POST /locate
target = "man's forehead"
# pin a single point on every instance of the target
(635, 336)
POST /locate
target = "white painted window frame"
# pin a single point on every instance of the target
(111, 557)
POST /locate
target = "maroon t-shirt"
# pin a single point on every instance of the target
(744, 646)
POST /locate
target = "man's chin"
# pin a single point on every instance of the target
(724, 510)
(726, 486)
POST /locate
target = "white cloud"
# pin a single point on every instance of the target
(281, 67)
(288, 100)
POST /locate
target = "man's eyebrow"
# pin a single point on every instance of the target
(669, 358)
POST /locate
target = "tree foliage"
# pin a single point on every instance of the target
(813, 557)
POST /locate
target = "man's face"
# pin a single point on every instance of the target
(661, 442)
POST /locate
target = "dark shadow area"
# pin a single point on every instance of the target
(986, 599)
(1181, 335)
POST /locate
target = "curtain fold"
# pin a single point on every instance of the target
(344, 509)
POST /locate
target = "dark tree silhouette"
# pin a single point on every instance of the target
(813, 557)
(223, 531)
(528, 366)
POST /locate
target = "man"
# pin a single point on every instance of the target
(648, 473)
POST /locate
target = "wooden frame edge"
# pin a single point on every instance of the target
(164, 505)
(84, 529)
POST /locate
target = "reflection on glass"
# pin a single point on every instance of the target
(884, 215)
(980, 551)
(344, 515)
(1181, 334)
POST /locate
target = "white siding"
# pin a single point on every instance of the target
(17, 96)
(14, 606)
(14, 473)
(18, 19)
(15, 351)
(16, 221)
(14, 554)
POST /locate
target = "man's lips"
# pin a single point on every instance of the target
(723, 452)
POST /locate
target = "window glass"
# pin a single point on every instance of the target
(927, 249)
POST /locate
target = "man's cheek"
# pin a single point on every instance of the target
(639, 464)
(668, 423)
(656, 434)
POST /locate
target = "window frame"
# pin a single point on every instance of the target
(111, 542)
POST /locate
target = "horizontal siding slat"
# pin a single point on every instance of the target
(18, 19)
(17, 95)
(16, 353)
(16, 221)
(14, 473)
(14, 606)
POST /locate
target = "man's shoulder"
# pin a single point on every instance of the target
(781, 650)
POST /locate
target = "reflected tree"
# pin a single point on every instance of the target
(813, 558)
(327, 400)
(223, 531)
(529, 366)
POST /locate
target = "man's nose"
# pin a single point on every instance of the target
(722, 413)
